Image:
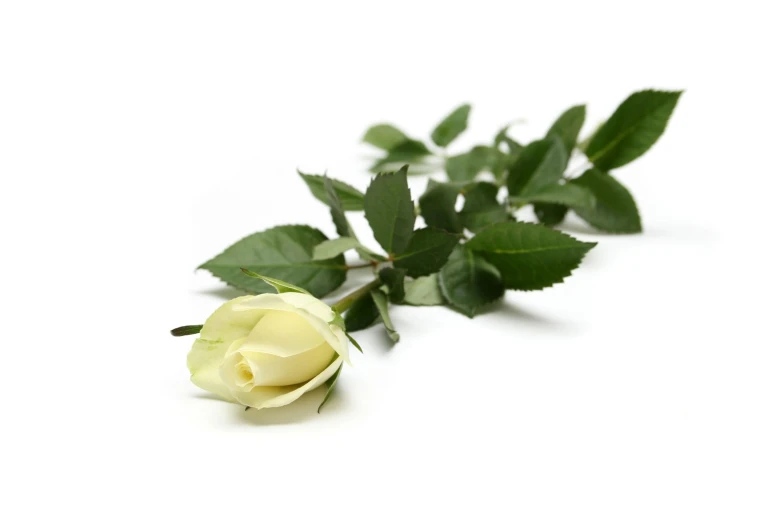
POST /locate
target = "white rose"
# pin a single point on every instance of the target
(268, 350)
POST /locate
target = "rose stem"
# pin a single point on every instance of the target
(345, 303)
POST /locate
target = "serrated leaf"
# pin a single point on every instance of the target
(389, 210)
(362, 314)
(633, 128)
(351, 198)
(482, 208)
(382, 304)
(281, 287)
(540, 164)
(567, 194)
(437, 206)
(330, 382)
(469, 282)
(550, 214)
(334, 247)
(427, 252)
(567, 127)
(341, 223)
(615, 209)
(408, 152)
(394, 279)
(452, 126)
(384, 136)
(284, 253)
(465, 167)
(529, 256)
(423, 291)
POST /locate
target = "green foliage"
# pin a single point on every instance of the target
(540, 164)
(482, 208)
(452, 126)
(529, 256)
(469, 282)
(427, 252)
(284, 253)
(382, 304)
(351, 198)
(336, 209)
(633, 128)
(567, 127)
(437, 206)
(550, 214)
(465, 167)
(362, 314)
(334, 247)
(567, 194)
(281, 286)
(389, 210)
(384, 136)
(406, 152)
(423, 291)
(615, 210)
(394, 279)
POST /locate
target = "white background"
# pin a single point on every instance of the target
(138, 139)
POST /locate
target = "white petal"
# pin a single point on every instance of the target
(316, 312)
(275, 396)
(282, 334)
(220, 330)
(271, 370)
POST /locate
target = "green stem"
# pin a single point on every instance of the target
(365, 265)
(345, 303)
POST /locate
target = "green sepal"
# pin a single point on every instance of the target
(381, 301)
(281, 286)
(330, 382)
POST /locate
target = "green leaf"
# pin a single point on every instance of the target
(362, 314)
(585, 143)
(465, 167)
(384, 136)
(633, 128)
(568, 194)
(469, 282)
(567, 127)
(191, 329)
(529, 256)
(540, 164)
(281, 286)
(452, 126)
(394, 279)
(367, 254)
(481, 207)
(423, 291)
(382, 304)
(427, 251)
(407, 152)
(330, 382)
(437, 206)
(550, 214)
(285, 253)
(334, 247)
(615, 210)
(350, 198)
(389, 210)
(336, 209)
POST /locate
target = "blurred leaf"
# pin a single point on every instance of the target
(452, 126)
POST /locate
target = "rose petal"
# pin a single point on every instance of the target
(220, 330)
